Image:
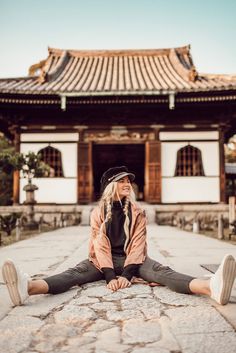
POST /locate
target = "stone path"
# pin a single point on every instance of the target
(139, 319)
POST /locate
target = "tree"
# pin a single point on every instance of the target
(30, 165)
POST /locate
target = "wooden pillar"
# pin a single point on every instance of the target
(85, 172)
(16, 174)
(222, 166)
(153, 171)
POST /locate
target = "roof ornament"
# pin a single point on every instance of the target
(193, 74)
(33, 69)
(182, 62)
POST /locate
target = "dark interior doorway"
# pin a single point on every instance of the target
(131, 155)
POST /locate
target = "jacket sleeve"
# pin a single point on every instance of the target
(109, 274)
(137, 248)
(100, 242)
(130, 271)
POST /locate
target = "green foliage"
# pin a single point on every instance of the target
(29, 164)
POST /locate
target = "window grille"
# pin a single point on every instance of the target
(189, 162)
(52, 157)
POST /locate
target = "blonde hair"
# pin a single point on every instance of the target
(106, 202)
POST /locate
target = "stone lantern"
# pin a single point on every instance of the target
(30, 202)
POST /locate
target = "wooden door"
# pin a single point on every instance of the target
(85, 173)
(153, 172)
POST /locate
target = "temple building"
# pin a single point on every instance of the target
(86, 111)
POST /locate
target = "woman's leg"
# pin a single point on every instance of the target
(38, 286)
(219, 287)
(153, 271)
(178, 282)
(82, 273)
(20, 286)
(199, 286)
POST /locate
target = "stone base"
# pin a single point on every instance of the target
(31, 226)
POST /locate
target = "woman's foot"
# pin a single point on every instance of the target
(16, 282)
(222, 281)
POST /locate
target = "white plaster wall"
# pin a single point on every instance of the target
(190, 189)
(210, 157)
(49, 137)
(189, 135)
(53, 190)
(68, 153)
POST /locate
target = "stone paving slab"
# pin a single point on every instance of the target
(16, 333)
(219, 342)
(139, 319)
(42, 305)
(45, 254)
(188, 320)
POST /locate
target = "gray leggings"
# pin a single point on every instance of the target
(150, 270)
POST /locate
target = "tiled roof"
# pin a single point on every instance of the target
(116, 72)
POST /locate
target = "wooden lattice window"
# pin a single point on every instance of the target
(52, 157)
(189, 162)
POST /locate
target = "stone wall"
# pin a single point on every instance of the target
(69, 214)
(182, 216)
(187, 216)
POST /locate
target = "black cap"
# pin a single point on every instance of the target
(115, 174)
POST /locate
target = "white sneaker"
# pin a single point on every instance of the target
(16, 282)
(222, 281)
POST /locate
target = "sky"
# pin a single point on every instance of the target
(29, 27)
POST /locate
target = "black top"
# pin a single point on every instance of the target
(116, 234)
(115, 228)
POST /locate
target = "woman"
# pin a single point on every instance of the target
(118, 252)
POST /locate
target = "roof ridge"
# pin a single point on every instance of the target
(117, 52)
(223, 76)
(16, 78)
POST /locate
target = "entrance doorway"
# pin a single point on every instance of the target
(112, 155)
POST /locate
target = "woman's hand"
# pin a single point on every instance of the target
(113, 285)
(123, 282)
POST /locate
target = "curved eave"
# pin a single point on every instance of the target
(57, 100)
(118, 93)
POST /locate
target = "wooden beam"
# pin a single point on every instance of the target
(16, 174)
(222, 166)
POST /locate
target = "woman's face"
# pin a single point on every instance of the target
(123, 187)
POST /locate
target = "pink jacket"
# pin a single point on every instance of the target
(100, 247)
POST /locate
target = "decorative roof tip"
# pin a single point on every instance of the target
(33, 69)
(193, 75)
(183, 63)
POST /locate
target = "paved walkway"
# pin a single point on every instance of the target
(139, 319)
